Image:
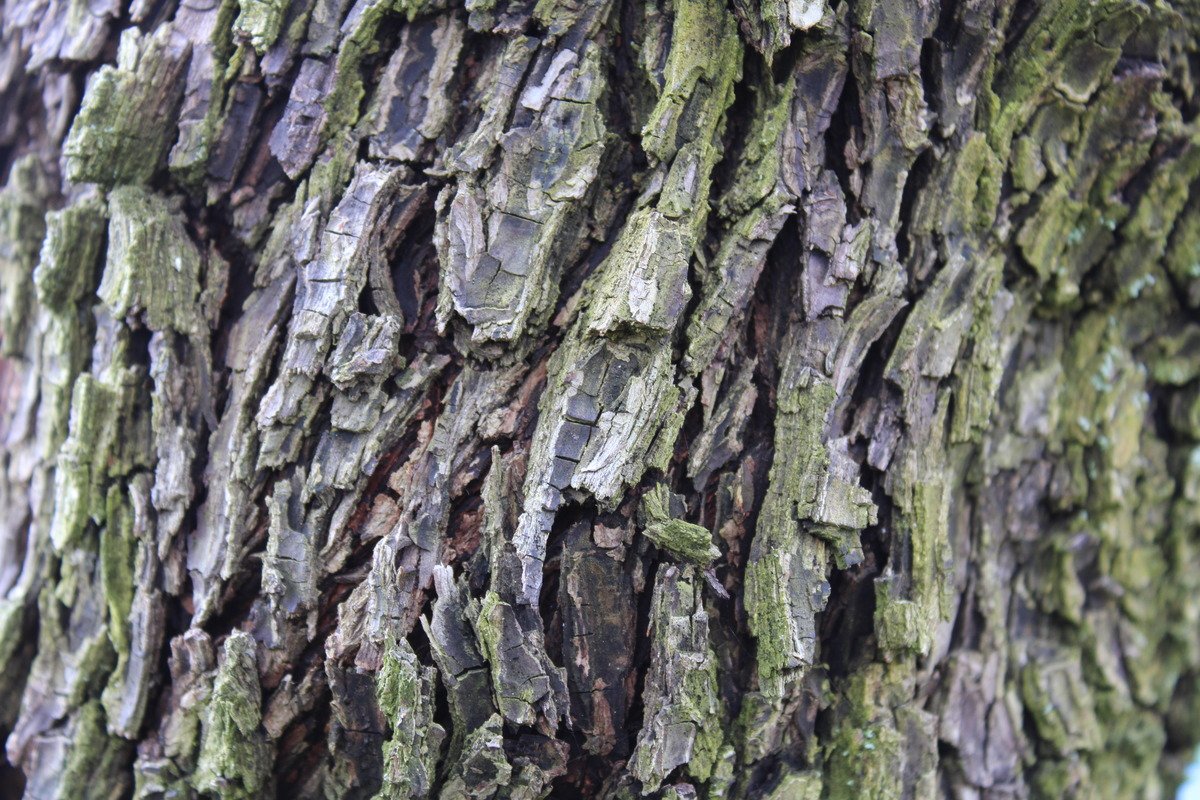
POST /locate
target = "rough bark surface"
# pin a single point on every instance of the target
(774, 399)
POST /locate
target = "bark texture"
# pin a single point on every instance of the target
(787, 399)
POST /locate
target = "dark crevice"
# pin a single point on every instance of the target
(845, 126)
(919, 178)
(1018, 23)
(413, 265)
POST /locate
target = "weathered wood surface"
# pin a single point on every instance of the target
(599, 399)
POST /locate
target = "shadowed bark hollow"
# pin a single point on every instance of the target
(784, 399)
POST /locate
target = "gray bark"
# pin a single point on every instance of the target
(774, 400)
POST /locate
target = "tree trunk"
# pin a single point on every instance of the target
(599, 399)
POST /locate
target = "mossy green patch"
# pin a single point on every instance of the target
(112, 140)
(684, 540)
(259, 21)
(235, 758)
(153, 267)
(22, 209)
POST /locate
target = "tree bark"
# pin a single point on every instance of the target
(599, 399)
